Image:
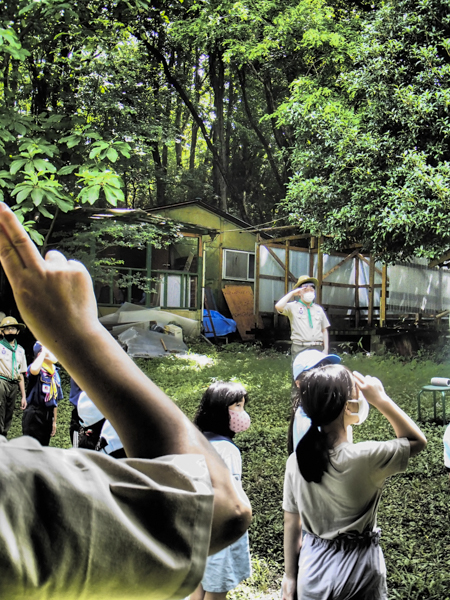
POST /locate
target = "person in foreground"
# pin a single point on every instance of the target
(79, 524)
(332, 489)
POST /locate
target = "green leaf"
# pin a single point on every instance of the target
(94, 152)
(23, 194)
(37, 237)
(16, 165)
(71, 140)
(29, 167)
(90, 194)
(110, 194)
(112, 155)
(45, 212)
(21, 129)
(37, 195)
(64, 205)
(67, 170)
(44, 165)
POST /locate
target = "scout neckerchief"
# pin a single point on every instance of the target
(309, 312)
(12, 349)
(53, 392)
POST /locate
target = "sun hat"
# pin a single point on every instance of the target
(306, 279)
(11, 322)
(308, 359)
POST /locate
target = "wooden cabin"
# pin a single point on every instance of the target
(365, 300)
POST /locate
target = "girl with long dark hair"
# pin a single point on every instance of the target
(332, 488)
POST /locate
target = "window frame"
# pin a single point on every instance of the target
(224, 264)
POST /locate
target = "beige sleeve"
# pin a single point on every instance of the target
(79, 524)
(289, 499)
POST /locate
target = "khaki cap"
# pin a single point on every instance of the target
(11, 322)
(306, 279)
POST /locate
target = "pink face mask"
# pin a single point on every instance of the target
(239, 420)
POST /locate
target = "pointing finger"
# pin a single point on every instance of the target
(17, 251)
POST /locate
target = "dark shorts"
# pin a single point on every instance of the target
(37, 422)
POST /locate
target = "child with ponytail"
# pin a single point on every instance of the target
(332, 488)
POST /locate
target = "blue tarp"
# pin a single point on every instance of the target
(222, 325)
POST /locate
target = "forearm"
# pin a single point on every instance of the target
(281, 304)
(55, 298)
(403, 425)
(37, 363)
(148, 422)
(22, 386)
(292, 543)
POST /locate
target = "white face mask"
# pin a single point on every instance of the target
(308, 297)
(363, 410)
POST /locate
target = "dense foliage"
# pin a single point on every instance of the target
(372, 154)
(336, 113)
(413, 513)
(146, 105)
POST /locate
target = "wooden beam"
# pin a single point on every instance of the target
(336, 267)
(383, 299)
(442, 314)
(286, 270)
(303, 236)
(364, 259)
(438, 261)
(349, 286)
(271, 277)
(357, 291)
(319, 269)
(257, 278)
(280, 262)
(371, 290)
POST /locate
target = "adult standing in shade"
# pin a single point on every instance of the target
(308, 320)
(13, 365)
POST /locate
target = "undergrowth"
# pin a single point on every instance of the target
(413, 513)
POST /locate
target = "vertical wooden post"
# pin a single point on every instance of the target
(200, 278)
(356, 291)
(148, 266)
(319, 269)
(286, 270)
(383, 299)
(257, 273)
(371, 290)
(312, 245)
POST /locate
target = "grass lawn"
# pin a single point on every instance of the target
(413, 513)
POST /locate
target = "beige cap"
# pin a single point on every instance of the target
(306, 279)
(11, 322)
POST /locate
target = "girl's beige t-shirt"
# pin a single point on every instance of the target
(346, 500)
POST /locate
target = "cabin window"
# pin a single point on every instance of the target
(238, 264)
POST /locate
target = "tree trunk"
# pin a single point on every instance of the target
(216, 74)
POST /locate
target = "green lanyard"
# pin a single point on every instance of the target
(309, 312)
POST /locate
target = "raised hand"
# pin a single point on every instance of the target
(54, 296)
